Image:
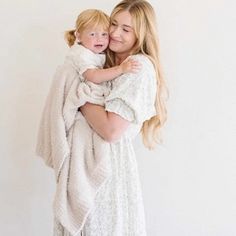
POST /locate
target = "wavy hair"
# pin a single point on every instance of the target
(147, 43)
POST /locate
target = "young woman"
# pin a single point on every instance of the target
(84, 203)
(135, 104)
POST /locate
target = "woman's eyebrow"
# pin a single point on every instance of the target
(115, 21)
(128, 26)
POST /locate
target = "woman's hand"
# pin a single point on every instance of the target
(108, 125)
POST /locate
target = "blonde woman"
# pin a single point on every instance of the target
(134, 104)
(78, 155)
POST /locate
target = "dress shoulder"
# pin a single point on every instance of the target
(133, 94)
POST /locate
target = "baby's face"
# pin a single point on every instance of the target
(95, 39)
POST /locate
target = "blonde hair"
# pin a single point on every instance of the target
(144, 22)
(88, 18)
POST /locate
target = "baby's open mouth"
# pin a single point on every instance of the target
(99, 45)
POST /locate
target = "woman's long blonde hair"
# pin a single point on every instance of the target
(87, 18)
(144, 22)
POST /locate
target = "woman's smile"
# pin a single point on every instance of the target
(114, 41)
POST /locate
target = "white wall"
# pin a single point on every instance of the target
(189, 181)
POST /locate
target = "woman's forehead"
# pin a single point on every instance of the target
(123, 18)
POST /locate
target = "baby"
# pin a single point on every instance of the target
(88, 43)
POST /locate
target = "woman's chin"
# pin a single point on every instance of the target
(115, 47)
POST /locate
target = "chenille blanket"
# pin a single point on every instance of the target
(66, 142)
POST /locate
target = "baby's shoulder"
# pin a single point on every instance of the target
(79, 50)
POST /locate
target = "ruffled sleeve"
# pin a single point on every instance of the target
(133, 95)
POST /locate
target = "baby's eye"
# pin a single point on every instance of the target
(92, 34)
(125, 30)
(104, 34)
(114, 24)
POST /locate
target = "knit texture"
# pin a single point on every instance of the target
(66, 142)
(118, 209)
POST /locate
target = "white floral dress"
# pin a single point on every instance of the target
(118, 207)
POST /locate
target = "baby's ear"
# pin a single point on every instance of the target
(77, 35)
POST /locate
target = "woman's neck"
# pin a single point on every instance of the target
(119, 58)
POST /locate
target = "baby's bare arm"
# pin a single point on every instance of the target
(101, 75)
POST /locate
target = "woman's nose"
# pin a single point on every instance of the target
(115, 32)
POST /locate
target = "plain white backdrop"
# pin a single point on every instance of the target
(189, 182)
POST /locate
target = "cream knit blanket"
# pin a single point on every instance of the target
(66, 142)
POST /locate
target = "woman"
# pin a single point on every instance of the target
(135, 103)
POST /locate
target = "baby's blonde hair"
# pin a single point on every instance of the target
(144, 22)
(88, 18)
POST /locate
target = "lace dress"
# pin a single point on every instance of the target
(118, 207)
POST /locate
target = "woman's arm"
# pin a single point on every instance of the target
(108, 125)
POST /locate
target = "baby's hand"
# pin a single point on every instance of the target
(130, 66)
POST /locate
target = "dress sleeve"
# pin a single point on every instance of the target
(133, 94)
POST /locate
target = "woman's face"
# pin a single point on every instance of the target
(122, 36)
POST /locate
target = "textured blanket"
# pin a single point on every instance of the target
(66, 142)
